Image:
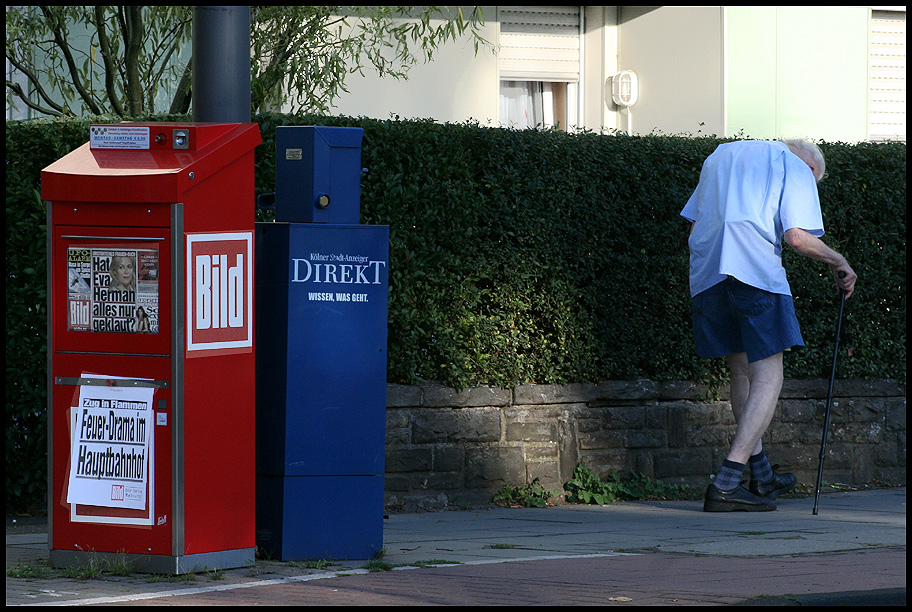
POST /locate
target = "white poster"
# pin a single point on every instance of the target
(109, 462)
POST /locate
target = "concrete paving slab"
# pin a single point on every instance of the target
(646, 552)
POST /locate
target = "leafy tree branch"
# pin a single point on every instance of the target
(300, 55)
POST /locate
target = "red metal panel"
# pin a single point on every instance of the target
(154, 175)
(152, 539)
(219, 473)
(224, 204)
(123, 214)
(70, 238)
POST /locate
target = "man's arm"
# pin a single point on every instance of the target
(811, 246)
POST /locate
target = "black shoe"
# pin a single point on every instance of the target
(738, 499)
(771, 489)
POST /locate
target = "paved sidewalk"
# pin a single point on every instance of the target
(628, 553)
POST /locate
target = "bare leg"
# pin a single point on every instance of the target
(753, 409)
(740, 387)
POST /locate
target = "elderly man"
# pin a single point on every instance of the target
(752, 196)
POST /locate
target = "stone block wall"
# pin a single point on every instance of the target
(447, 448)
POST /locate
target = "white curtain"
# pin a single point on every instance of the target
(526, 104)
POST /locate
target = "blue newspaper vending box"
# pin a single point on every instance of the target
(321, 320)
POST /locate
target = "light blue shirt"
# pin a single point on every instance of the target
(750, 193)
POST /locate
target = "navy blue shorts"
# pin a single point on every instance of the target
(732, 317)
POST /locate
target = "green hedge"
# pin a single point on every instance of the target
(519, 256)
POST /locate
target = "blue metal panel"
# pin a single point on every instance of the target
(320, 517)
(337, 305)
(315, 161)
(271, 339)
(325, 390)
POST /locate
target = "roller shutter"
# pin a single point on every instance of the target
(887, 76)
(539, 43)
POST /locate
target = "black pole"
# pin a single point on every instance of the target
(221, 64)
(826, 416)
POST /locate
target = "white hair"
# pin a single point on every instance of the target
(805, 148)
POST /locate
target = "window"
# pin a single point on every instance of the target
(525, 104)
(18, 111)
(539, 65)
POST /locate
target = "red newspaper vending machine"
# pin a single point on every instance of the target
(150, 347)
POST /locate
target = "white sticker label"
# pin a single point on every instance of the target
(118, 137)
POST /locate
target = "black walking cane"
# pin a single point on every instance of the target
(826, 416)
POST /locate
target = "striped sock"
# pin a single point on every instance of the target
(760, 467)
(728, 477)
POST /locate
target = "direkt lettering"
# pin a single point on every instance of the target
(339, 274)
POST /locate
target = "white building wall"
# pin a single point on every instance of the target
(456, 86)
(676, 53)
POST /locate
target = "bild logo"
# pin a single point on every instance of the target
(219, 291)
